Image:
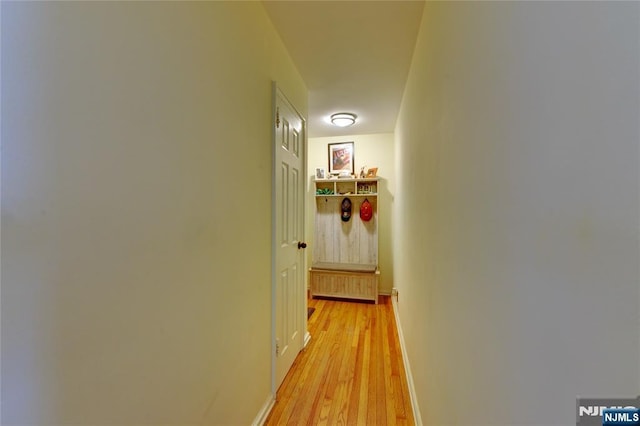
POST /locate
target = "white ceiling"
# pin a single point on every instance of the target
(354, 56)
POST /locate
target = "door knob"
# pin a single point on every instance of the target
(302, 245)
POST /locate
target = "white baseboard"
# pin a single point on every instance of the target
(261, 418)
(407, 367)
(307, 338)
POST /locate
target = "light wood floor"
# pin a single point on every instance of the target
(350, 373)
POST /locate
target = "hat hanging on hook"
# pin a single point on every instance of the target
(366, 210)
(345, 207)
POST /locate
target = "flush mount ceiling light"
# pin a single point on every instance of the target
(343, 119)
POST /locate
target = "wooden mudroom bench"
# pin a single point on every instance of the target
(345, 280)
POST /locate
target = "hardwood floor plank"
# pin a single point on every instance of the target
(354, 397)
(338, 412)
(363, 407)
(351, 372)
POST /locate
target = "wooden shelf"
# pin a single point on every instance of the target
(351, 179)
(355, 187)
(347, 195)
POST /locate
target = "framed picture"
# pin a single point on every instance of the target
(372, 172)
(341, 157)
(320, 173)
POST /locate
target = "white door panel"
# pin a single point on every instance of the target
(289, 295)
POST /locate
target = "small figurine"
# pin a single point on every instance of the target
(362, 173)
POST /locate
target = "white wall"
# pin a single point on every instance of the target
(136, 211)
(516, 213)
(372, 150)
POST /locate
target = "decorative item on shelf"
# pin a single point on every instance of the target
(362, 172)
(341, 158)
(320, 173)
(364, 189)
(324, 191)
(344, 175)
(372, 172)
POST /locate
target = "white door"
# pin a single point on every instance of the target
(288, 287)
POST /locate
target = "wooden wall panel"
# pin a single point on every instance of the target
(336, 241)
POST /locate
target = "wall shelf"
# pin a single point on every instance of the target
(365, 186)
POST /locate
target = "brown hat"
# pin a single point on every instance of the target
(346, 210)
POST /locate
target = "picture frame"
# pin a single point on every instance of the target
(341, 158)
(321, 173)
(372, 172)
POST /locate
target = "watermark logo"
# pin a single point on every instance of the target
(608, 411)
(621, 417)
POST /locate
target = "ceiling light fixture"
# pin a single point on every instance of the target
(343, 119)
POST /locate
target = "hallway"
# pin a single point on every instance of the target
(137, 227)
(350, 373)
